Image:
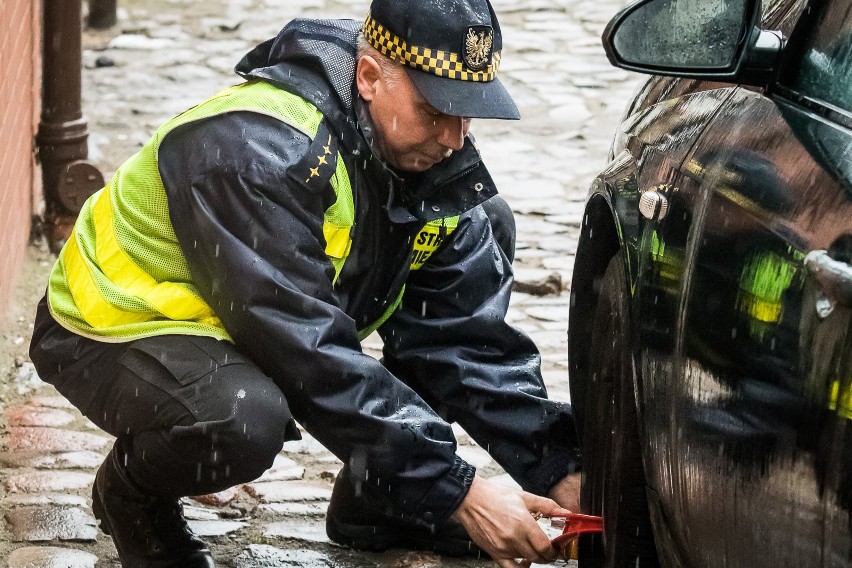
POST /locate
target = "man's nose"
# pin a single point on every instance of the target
(454, 129)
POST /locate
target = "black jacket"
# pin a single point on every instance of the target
(251, 230)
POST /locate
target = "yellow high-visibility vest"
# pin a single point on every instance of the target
(122, 274)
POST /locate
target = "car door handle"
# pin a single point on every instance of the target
(833, 276)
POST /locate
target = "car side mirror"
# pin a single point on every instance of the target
(704, 39)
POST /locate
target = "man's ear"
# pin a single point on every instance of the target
(368, 76)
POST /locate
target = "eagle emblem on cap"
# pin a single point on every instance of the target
(477, 47)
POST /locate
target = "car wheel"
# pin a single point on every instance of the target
(613, 478)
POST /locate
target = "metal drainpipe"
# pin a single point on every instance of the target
(69, 179)
(102, 13)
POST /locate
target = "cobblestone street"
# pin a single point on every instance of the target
(166, 55)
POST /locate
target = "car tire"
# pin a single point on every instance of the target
(613, 477)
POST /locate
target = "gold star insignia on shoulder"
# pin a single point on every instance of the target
(321, 160)
(314, 173)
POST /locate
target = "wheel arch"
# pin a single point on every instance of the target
(600, 240)
(614, 487)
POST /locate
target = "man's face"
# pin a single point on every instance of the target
(411, 134)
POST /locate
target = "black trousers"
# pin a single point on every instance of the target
(192, 414)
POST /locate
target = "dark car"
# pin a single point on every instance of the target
(710, 349)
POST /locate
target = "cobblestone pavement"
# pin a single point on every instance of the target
(166, 55)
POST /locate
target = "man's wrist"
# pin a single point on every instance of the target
(552, 469)
(566, 492)
(447, 494)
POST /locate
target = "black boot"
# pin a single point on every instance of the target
(352, 521)
(148, 531)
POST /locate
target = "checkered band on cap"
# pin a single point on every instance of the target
(441, 63)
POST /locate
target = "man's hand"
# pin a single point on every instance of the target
(567, 492)
(500, 520)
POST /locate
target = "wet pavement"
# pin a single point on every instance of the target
(166, 55)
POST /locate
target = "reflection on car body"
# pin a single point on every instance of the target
(710, 349)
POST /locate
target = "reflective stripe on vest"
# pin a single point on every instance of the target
(166, 298)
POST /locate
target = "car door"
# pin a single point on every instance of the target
(761, 407)
(819, 81)
(665, 250)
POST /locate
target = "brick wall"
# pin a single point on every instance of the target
(20, 96)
